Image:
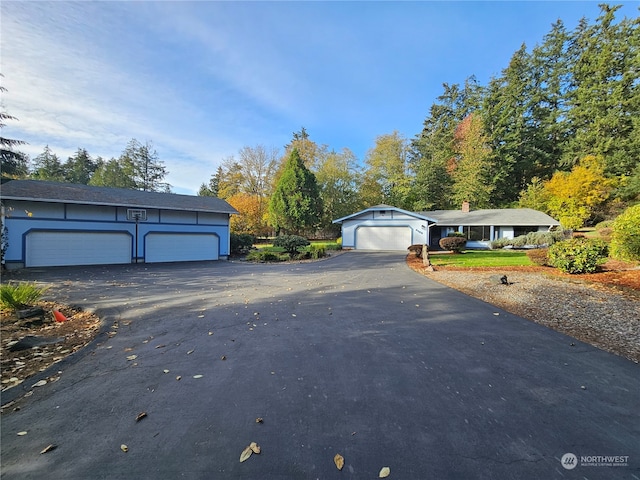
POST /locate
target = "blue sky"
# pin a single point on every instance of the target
(200, 80)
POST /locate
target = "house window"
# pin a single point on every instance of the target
(477, 233)
(517, 231)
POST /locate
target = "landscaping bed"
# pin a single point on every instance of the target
(52, 340)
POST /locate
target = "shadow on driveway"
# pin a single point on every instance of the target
(356, 355)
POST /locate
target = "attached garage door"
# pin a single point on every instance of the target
(46, 249)
(383, 238)
(180, 247)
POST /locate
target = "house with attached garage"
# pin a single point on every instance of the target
(55, 224)
(384, 227)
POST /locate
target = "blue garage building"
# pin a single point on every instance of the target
(54, 224)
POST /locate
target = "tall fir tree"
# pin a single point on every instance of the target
(295, 206)
(79, 168)
(47, 166)
(605, 97)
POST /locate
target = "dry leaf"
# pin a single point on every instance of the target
(246, 453)
(178, 377)
(384, 472)
(259, 420)
(197, 376)
(160, 346)
(166, 371)
(124, 448)
(140, 416)
(255, 448)
(48, 448)
(132, 357)
(339, 461)
(223, 357)
(39, 384)
(20, 434)
(190, 352)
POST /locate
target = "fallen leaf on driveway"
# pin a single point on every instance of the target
(132, 357)
(41, 383)
(20, 434)
(124, 448)
(246, 453)
(191, 351)
(140, 416)
(259, 420)
(178, 377)
(197, 376)
(339, 461)
(160, 346)
(166, 371)
(384, 472)
(48, 448)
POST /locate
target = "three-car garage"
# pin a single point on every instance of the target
(56, 224)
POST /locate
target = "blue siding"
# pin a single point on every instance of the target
(46, 216)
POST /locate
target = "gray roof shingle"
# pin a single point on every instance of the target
(44, 191)
(499, 217)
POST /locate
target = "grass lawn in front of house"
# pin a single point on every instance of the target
(482, 258)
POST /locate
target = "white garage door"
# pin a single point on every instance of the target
(180, 247)
(383, 238)
(46, 249)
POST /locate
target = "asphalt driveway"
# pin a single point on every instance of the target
(356, 355)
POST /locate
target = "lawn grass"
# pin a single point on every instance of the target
(482, 258)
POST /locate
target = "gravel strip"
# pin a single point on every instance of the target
(601, 316)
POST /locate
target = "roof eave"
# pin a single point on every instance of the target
(113, 204)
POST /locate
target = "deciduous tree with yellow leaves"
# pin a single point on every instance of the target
(574, 195)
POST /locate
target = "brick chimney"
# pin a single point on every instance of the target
(466, 207)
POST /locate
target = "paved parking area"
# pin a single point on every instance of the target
(356, 355)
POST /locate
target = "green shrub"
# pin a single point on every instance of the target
(625, 238)
(456, 235)
(241, 242)
(317, 251)
(578, 255)
(500, 243)
(333, 246)
(274, 254)
(455, 243)
(535, 239)
(20, 295)
(291, 243)
(539, 256)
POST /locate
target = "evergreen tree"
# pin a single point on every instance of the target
(13, 164)
(605, 97)
(295, 205)
(47, 166)
(149, 171)
(212, 189)
(118, 173)
(79, 168)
